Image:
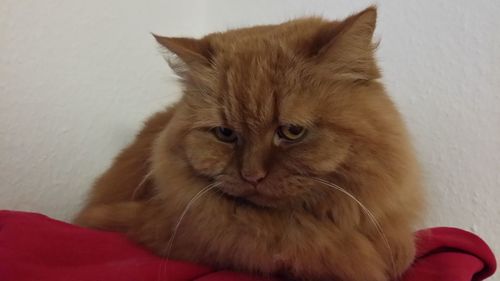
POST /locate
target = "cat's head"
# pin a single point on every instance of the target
(267, 108)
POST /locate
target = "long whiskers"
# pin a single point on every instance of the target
(170, 243)
(198, 195)
(141, 184)
(370, 215)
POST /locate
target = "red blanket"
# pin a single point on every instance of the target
(35, 247)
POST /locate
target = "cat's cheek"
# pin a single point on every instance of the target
(322, 159)
(206, 156)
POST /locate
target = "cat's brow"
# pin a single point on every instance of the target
(305, 122)
(208, 123)
(297, 117)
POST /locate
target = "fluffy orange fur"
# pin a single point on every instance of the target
(340, 204)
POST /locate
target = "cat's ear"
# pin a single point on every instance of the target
(347, 48)
(183, 54)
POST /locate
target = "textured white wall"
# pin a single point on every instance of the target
(78, 77)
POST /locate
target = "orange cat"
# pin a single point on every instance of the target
(284, 156)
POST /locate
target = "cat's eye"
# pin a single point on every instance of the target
(225, 134)
(291, 133)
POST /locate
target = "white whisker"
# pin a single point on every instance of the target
(186, 209)
(170, 243)
(139, 186)
(366, 211)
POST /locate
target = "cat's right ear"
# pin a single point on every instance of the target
(346, 48)
(184, 54)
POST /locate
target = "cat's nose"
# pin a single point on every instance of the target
(253, 177)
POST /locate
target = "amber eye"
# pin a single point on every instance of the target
(291, 133)
(225, 134)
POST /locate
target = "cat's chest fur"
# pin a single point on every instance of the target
(227, 234)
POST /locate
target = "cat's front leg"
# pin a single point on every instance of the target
(348, 258)
(112, 216)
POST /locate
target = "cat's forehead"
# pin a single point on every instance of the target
(248, 91)
(259, 73)
(261, 90)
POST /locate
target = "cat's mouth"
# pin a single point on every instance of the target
(251, 199)
(240, 201)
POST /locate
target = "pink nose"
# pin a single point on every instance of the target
(254, 176)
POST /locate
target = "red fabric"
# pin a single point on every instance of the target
(35, 247)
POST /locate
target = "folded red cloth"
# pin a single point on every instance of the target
(35, 247)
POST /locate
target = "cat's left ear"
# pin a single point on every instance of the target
(185, 54)
(346, 49)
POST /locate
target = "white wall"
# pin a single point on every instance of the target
(78, 77)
